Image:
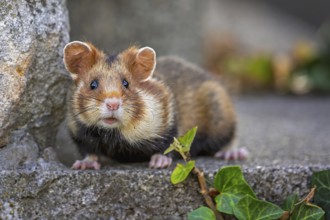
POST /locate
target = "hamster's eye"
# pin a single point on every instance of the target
(94, 84)
(125, 83)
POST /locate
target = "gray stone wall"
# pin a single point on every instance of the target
(33, 81)
(170, 27)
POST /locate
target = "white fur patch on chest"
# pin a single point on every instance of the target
(151, 126)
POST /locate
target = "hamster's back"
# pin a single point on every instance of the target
(201, 101)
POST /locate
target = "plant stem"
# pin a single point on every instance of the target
(205, 192)
(310, 195)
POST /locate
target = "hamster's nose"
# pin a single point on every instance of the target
(113, 104)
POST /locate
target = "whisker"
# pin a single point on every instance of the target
(85, 109)
(82, 97)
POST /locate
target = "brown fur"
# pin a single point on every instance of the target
(79, 59)
(139, 65)
(200, 101)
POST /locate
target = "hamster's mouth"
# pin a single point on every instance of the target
(110, 120)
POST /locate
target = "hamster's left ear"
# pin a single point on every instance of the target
(79, 57)
(141, 62)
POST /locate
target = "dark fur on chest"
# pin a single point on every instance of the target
(110, 143)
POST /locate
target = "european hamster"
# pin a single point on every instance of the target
(126, 108)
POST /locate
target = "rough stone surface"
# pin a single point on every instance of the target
(91, 195)
(21, 151)
(129, 191)
(33, 81)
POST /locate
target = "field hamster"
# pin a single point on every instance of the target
(126, 108)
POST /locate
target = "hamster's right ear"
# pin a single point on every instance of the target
(79, 57)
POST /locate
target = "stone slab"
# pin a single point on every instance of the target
(130, 192)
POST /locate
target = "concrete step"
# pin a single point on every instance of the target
(131, 191)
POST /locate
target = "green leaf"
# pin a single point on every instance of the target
(250, 208)
(307, 211)
(227, 201)
(169, 149)
(290, 202)
(187, 139)
(181, 172)
(231, 179)
(230, 182)
(174, 146)
(322, 182)
(202, 213)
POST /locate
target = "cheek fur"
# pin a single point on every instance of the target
(85, 107)
(146, 121)
(133, 107)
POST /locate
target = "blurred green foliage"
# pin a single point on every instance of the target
(317, 70)
(303, 70)
(255, 70)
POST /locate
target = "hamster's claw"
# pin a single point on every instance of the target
(159, 161)
(90, 162)
(234, 154)
(83, 165)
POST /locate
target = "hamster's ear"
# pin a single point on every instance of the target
(79, 57)
(141, 62)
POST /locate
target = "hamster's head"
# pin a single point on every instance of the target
(109, 91)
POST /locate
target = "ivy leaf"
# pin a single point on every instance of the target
(289, 203)
(181, 172)
(230, 182)
(322, 182)
(231, 179)
(250, 208)
(227, 201)
(187, 139)
(307, 211)
(202, 213)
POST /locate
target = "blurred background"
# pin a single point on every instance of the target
(270, 46)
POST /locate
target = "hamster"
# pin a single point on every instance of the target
(127, 109)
